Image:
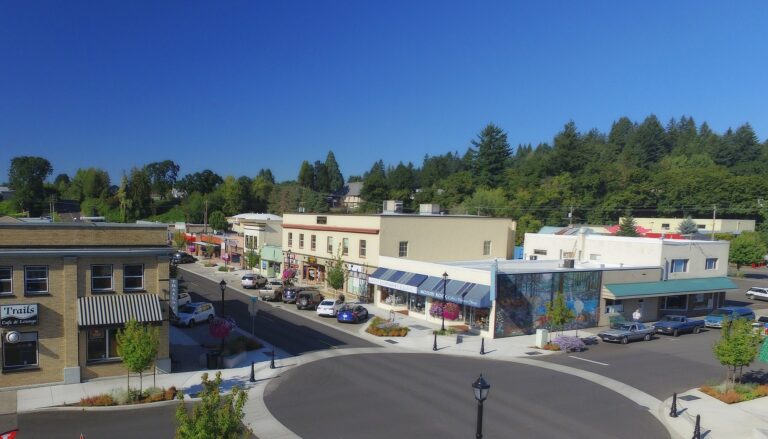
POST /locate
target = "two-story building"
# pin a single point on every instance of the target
(261, 234)
(313, 241)
(65, 291)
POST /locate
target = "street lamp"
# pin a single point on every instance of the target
(481, 388)
(445, 282)
(223, 286)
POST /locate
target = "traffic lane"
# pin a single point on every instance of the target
(425, 395)
(290, 331)
(659, 367)
(757, 277)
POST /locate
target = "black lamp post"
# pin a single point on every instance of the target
(223, 286)
(445, 282)
(481, 388)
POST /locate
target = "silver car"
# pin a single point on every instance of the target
(626, 332)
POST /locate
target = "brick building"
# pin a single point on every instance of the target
(65, 290)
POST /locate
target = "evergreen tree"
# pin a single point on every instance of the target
(688, 226)
(26, 177)
(375, 188)
(322, 179)
(306, 175)
(336, 180)
(648, 143)
(627, 226)
(491, 156)
(621, 133)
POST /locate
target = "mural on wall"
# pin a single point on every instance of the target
(521, 300)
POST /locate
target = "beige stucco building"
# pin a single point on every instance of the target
(65, 290)
(705, 225)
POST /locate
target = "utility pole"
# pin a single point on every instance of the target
(570, 217)
(205, 217)
(714, 215)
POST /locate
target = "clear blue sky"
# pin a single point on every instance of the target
(235, 86)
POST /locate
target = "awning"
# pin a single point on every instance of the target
(669, 287)
(454, 289)
(272, 253)
(478, 296)
(396, 279)
(116, 309)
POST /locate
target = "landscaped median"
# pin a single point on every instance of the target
(384, 328)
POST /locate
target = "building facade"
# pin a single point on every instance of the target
(705, 225)
(65, 290)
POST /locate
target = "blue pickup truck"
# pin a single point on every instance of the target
(675, 325)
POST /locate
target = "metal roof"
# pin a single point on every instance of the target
(668, 287)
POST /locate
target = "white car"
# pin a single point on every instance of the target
(184, 298)
(329, 307)
(757, 293)
(193, 313)
(253, 281)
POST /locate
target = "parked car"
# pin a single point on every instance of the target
(626, 332)
(272, 291)
(182, 258)
(329, 307)
(253, 281)
(308, 299)
(676, 325)
(290, 293)
(757, 293)
(715, 318)
(761, 325)
(352, 313)
(193, 313)
(184, 298)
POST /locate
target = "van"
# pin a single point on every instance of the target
(715, 318)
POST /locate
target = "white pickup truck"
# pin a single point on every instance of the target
(272, 291)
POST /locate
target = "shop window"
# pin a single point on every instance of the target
(22, 354)
(703, 301)
(290, 239)
(677, 303)
(133, 277)
(393, 297)
(36, 279)
(362, 248)
(679, 266)
(486, 248)
(6, 280)
(711, 264)
(330, 244)
(102, 344)
(301, 240)
(101, 278)
(416, 303)
(345, 246)
(403, 249)
(313, 242)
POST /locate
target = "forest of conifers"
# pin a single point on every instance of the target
(648, 168)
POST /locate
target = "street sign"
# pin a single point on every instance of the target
(174, 287)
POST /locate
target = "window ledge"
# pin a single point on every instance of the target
(21, 368)
(142, 290)
(103, 291)
(37, 294)
(104, 361)
(6, 295)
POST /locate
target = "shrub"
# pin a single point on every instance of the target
(569, 343)
(120, 396)
(223, 268)
(761, 390)
(551, 347)
(730, 397)
(97, 401)
(170, 393)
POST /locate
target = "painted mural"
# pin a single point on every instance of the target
(521, 300)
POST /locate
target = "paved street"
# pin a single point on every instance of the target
(425, 395)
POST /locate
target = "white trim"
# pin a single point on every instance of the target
(393, 285)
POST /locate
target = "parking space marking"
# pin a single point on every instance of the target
(591, 361)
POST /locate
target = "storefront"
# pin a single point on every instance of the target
(357, 283)
(271, 258)
(19, 341)
(312, 271)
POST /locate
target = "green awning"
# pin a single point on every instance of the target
(272, 253)
(670, 287)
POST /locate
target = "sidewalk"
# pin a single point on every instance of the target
(719, 420)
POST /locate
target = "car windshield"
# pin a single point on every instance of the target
(247, 277)
(671, 319)
(720, 312)
(186, 309)
(624, 327)
(326, 302)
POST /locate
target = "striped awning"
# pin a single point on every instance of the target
(116, 309)
(399, 280)
(463, 293)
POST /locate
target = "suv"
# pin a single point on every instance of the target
(308, 299)
(757, 293)
(716, 317)
(290, 293)
(182, 258)
(194, 312)
(253, 281)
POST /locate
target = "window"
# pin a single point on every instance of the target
(539, 252)
(569, 255)
(301, 240)
(345, 246)
(362, 248)
(330, 244)
(133, 277)
(36, 279)
(664, 226)
(675, 302)
(594, 256)
(22, 354)
(6, 280)
(322, 220)
(101, 278)
(403, 249)
(701, 226)
(711, 264)
(251, 241)
(702, 301)
(486, 248)
(313, 242)
(102, 344)
(679, 266)
(290, 239)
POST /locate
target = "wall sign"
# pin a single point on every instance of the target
(24, 314)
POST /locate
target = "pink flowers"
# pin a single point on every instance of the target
(450, 311)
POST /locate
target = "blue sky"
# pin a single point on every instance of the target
(239, 85)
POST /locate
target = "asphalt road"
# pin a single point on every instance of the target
(424, 395)
(295, 334)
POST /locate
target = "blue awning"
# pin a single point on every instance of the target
(478, 296)
(454, 289)
(396, 279)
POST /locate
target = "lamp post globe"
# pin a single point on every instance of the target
(445, 283)
(480, 387)
(223, 286)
